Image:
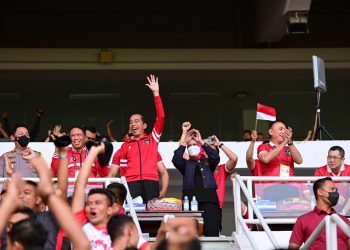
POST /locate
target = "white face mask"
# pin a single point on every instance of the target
(193, 150)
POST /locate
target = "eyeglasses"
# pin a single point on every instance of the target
(334, 158)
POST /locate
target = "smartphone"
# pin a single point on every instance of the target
(209, 141)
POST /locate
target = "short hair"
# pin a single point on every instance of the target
(338, 148)
(246, 131)
(19, 126)
(90, 128)
(30, 233)
(116, 225)
(27, 211)
(119, 192)
(319, 184)
(32, 183)
(274, 122)
(77, 126)
(103, 191)
(143, 119)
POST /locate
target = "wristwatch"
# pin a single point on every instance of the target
(290, 143)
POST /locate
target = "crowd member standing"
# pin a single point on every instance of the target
(13, 161)
(198, 178)
(138, 156)
(76, 154)
(162, 170)
(327, 197)
(277, 158)
(221, 171)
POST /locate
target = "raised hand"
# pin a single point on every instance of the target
(288, 134)
(28, 154)
(153, 84)
(10, 160)
(13, 189)
(185, 127)
(198, 137)
(254, 135)
(216, 140)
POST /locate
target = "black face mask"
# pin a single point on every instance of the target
(23, 141)
(333, 198)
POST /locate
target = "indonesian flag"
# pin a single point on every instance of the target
(265, 113)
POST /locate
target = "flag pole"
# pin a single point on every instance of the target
(256, 120)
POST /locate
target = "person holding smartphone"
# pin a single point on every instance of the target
(198, 176)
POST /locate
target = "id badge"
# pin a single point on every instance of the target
(284, 170)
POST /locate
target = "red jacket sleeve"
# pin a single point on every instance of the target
(160, 119)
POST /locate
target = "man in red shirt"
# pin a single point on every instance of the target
(76, 155)
(335, 164)
(336, 167)
(327, 196)
(138, 156)
(277, 158)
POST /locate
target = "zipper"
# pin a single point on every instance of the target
(138, 143)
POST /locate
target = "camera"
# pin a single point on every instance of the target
(104, 158)
(209, 141)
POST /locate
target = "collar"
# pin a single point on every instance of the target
(342, 167)
(273, 145)
(18, 150)
(145, 135)
(101, 228)
(320, 212)
(75, 150)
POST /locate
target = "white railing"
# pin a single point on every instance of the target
(106, 182)
(241, 224)
(330, 222)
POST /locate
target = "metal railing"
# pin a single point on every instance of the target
(241, 224)
(330, 222)
(106, 182)
(238, 182)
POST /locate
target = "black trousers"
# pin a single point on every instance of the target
(211, 218)
(147, 189)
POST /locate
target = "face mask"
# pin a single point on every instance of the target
(193, 150)
(23, 141)
(333, 198)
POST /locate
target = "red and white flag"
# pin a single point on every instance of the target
(265, 113)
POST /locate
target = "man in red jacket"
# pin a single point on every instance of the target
(76, 154)
(138, 156)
